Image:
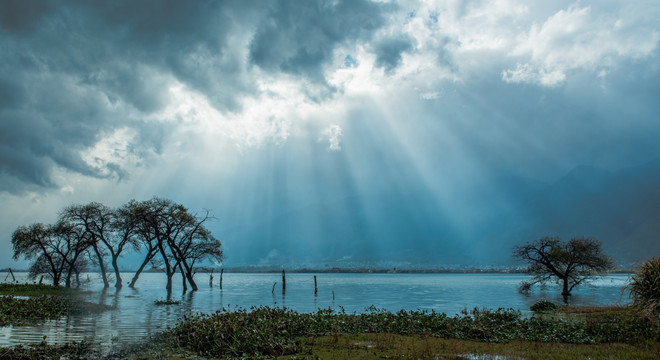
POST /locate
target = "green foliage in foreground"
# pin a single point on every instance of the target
(34, 290)
(267, 331)
(543, 306)
(74, 351)
(645, 286)
(424, 347)
(16, 310)
(367, 347)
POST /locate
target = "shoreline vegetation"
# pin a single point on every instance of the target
(30, 303)
(550, 332)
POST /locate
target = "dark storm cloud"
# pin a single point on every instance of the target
(187, 40)
(73, 72)
(299, 37)
(21, 15)
(389, 51)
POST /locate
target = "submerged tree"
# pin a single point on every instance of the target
(94, 219)
(180, 237)
(571, 263)
(57, 249)
(95, 231)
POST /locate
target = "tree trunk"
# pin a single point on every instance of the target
(56, 278)
(168, 267)
(168, 286)
(191, 281)
(182, 261)
(565, 292)
(118, 280)
(67, 283)
(150, 255)
(102, 266)
(183, 278)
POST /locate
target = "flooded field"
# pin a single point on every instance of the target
(136, 316)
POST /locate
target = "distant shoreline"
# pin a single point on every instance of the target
(337, 270)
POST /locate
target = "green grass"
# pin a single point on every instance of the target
(27, 303)
(75, 351)
(395, 346)
(264, 332)
(34, 290)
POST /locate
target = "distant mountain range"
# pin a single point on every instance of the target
(477, 226)
(622, 209)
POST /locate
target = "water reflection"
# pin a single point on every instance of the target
(135, 316)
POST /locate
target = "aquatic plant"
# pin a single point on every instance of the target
(15, 310)
(166, 302)
(264, 331)
(73, 351)
(645, 287)
(35, 290)
(543, 306)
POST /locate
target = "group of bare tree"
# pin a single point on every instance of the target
(167, 233)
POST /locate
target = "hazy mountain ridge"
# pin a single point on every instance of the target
(621, 208)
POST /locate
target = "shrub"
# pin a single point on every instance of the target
(543, 306)
(645, 286)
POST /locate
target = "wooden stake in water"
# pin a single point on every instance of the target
(211, 279)
(222, 271)
(316, 289)
(283, 281)
(273, 291)
(12, 275)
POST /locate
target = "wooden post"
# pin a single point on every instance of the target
(316, 289)
(273, 290)
(222, 271)
(283, 281)
(333, 295)
(211, 279)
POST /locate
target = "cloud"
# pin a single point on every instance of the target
(389, 51)
(76, 72)
(332, 134)
(299, 37)
(256, 109)
(579, 38)
(22, 15)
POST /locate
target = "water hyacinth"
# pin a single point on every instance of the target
(265, 331)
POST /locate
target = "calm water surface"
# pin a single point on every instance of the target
(135, 316)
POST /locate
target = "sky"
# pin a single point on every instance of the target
(318, 131)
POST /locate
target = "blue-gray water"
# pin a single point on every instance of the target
(135, 315)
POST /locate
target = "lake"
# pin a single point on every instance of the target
(135, 316)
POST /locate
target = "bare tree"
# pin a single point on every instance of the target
(181, 239)
(94, 219)
(144, 215)
(191, 241)
(73, 242)
(35, 241)
(156, 226)
(571, 263)
(57, 249)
